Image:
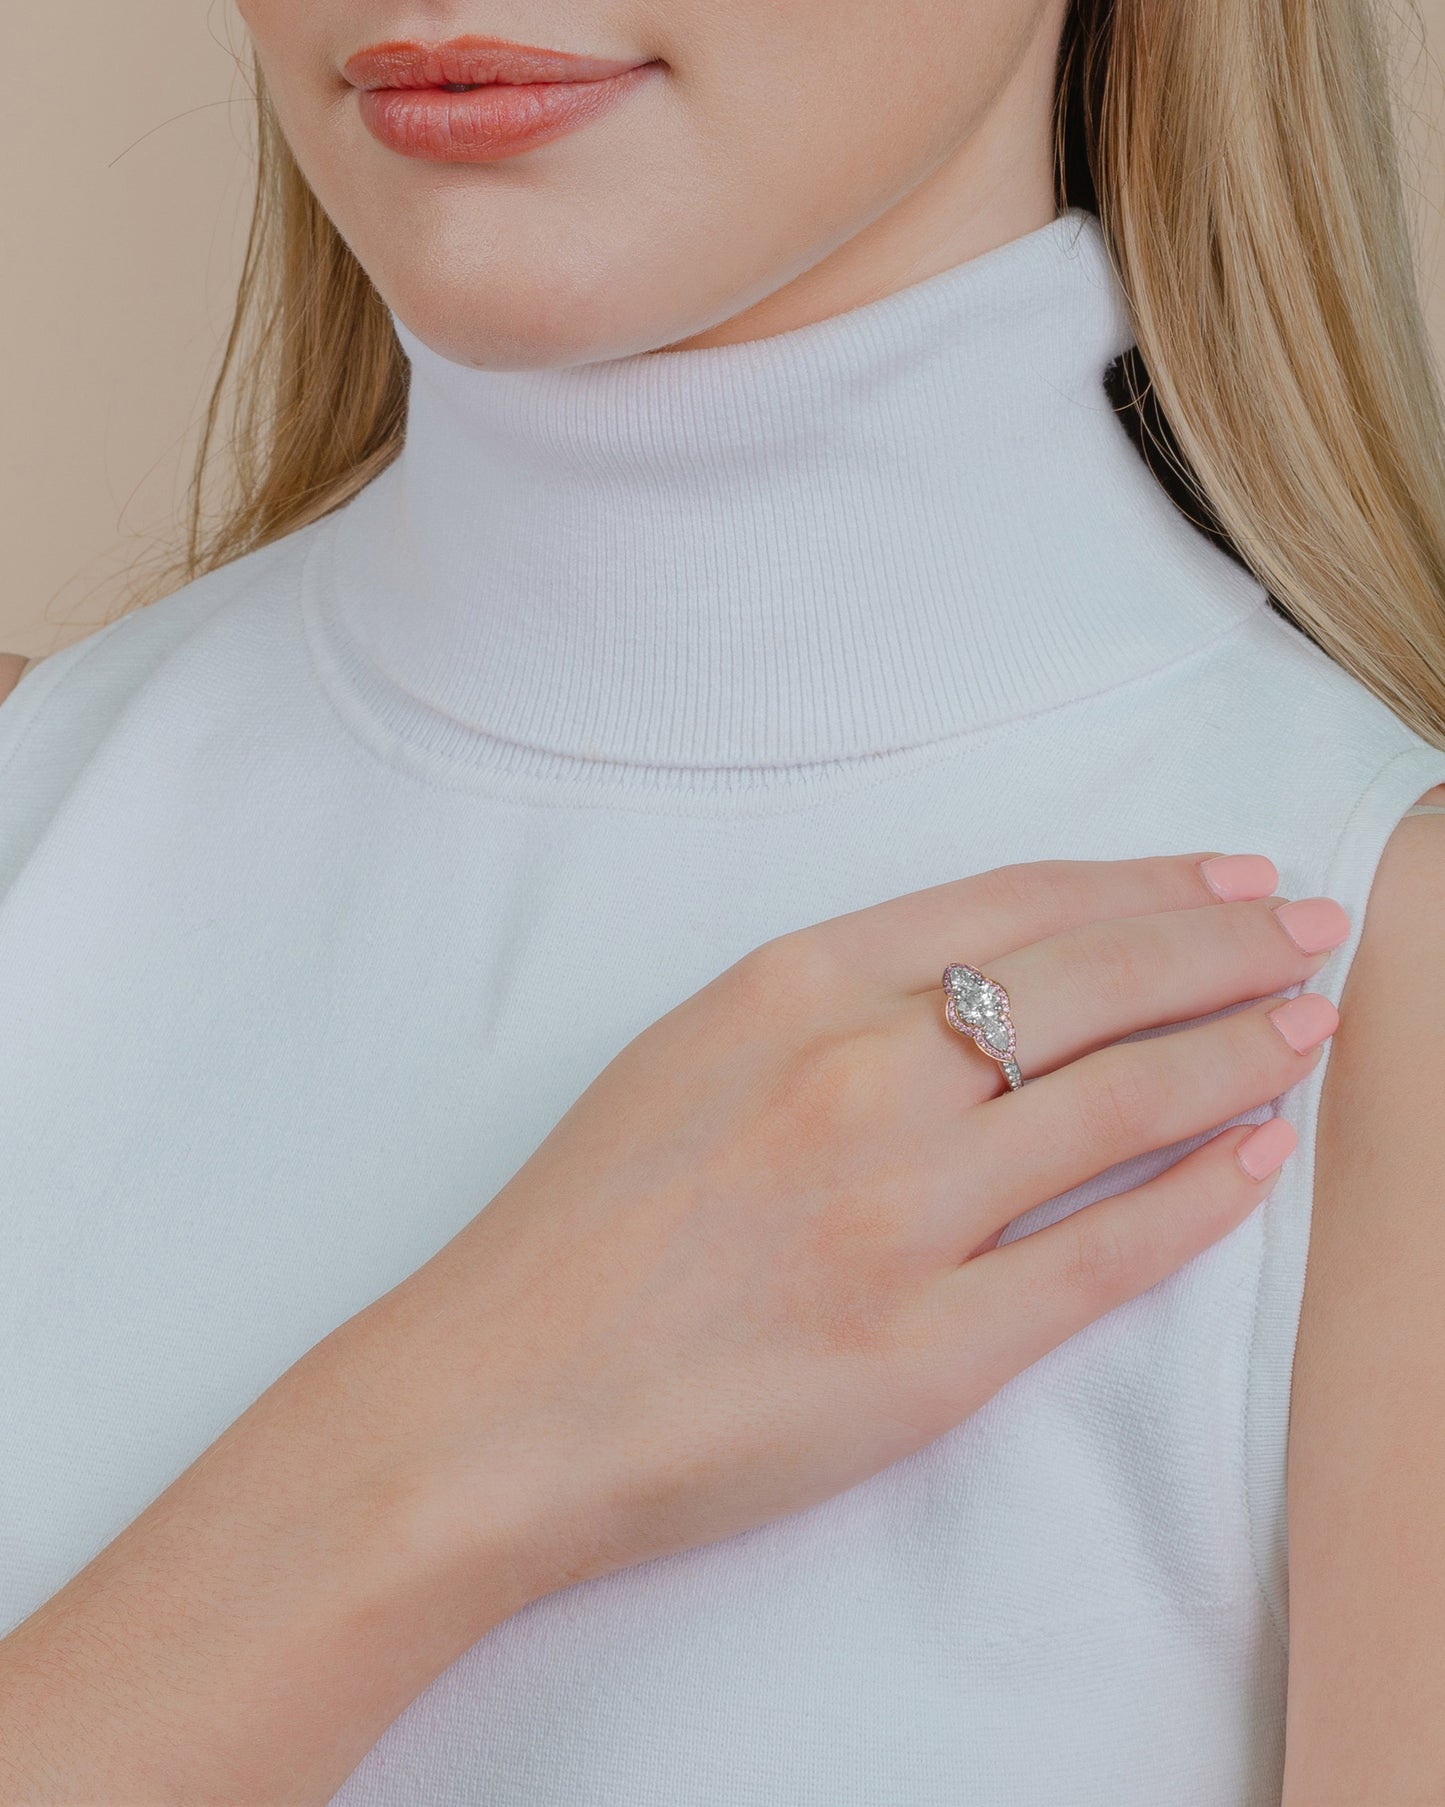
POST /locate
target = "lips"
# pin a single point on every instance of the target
(471, 61)
(474, 100)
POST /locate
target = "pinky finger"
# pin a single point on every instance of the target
(1024, 1298)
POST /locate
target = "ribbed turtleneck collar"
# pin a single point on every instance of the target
(906, 521)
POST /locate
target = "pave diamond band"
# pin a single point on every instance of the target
(977, 1007)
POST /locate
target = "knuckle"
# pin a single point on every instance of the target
(1118, 1102)
(827, 1087)
(1099, 1261)
(1251, 935)
(1119, 958)
(793, 972)
(1018, 887)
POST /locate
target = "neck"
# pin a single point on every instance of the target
(909, 520)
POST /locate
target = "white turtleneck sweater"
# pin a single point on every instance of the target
(328, 882)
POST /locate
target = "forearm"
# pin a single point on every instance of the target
(251, 1635)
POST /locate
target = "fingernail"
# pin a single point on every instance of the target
(1236, 877)
(1313, 923)
(1306, 1021)
(1268, 1148)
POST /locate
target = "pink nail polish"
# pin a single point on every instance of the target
(1313, 923)
(1236, 877)
(1268, 1148)
(1306, 1021)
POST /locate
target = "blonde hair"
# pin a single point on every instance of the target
(1243, 160)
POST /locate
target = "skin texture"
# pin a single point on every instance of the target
(797, 159)
(801, 157)
(1366, 1480)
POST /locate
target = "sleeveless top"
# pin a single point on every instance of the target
(328, 882)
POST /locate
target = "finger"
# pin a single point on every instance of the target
(1133, 1097)
(1080, 990)
(1024, 1298)
(905, 942)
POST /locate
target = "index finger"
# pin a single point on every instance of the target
(905, 942)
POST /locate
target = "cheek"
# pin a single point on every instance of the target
(300, 50)
(814, 124)
(832, 109)
(298, 47)
(781, 128)
(264, 20)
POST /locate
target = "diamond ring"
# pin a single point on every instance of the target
(978, 1007)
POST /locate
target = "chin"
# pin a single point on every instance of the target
(508, 312)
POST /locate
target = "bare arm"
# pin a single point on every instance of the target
(1366, 1715)
(249, 1637)
(12, 668)
(265, 1618)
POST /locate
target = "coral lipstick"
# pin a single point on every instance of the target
(474, 100)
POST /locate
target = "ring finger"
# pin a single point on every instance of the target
(1078, 991)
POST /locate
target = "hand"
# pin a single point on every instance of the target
(758, 1261)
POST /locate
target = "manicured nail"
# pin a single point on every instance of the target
(1313, 923)
(1268, 1148)
(1236, 877)
(1306, 1021)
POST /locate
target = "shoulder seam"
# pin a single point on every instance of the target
(23, 730)
(46, 687)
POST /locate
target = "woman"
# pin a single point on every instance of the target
(517, 1288)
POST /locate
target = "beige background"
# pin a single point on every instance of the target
(122, 215)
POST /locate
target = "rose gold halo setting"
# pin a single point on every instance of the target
(978, 1007)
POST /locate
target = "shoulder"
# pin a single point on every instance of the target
(1367, 1424)
(209, 642)
(73, 696)
(12, 666)
(1272, 712)
(1388, 1056)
